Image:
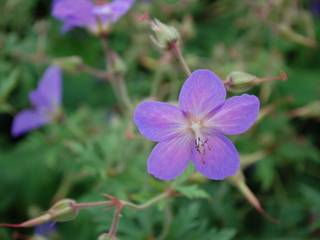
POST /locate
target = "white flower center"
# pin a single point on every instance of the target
(196, 127)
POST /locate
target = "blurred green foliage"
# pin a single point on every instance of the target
(90, 152)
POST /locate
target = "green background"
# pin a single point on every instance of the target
(89, 154)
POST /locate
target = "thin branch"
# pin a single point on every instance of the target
(148, 203)
(176, 50)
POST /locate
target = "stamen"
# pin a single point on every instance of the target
(201, 146)
(201, 143)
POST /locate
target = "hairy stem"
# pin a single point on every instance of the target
(115, 222)
(116, 79)
(176, 50)
(94, 204)
(160, 70)
(148, 203)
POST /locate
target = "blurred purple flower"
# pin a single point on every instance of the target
(45, 100)
(195, 130)
(84, 13)
(46, 229)
(315, 7)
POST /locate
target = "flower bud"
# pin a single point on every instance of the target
(238, 82)
(63, 211)
(164, 35)
(239, 182)
(311, 110)
(71, 63)
(287, 32)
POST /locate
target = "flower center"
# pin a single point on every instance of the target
(201, 143)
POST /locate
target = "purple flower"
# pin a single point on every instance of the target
(84, 13)
(315, 7)
(45, 100)
(195, 130)
(46, 229)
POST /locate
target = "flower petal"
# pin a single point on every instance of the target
(220, 159)
(158, 121)
(170, 158)
(114, 10)
(48, 93)
(79, 14)
(237, 115)
(201, 93)
(28, 120)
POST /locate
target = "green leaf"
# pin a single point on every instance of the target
(192, 191)
(9, 84)
(5, 108)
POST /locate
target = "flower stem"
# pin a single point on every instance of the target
(112, 201)
(93, 204)
(283, 76)
(116, 79)
(167, 222)
(148, 203)
(165, 59)
(123, 93)
(176, 50)
(115, 222)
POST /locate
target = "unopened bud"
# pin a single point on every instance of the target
(239, 182)
(164, 35)
(71, 63)
(63, 211)
(287, 32)
(241, 81)
(238, 82)
(311, 110)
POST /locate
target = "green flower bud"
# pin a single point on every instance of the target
(287, 32)
(164, 35)
(239, 182)
(63, 211)
(311, 110)
(238, 82)
(71, 63)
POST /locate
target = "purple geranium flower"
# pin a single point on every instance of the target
(45, 230)
(84, 13)
(45, 100)
(195, 130)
